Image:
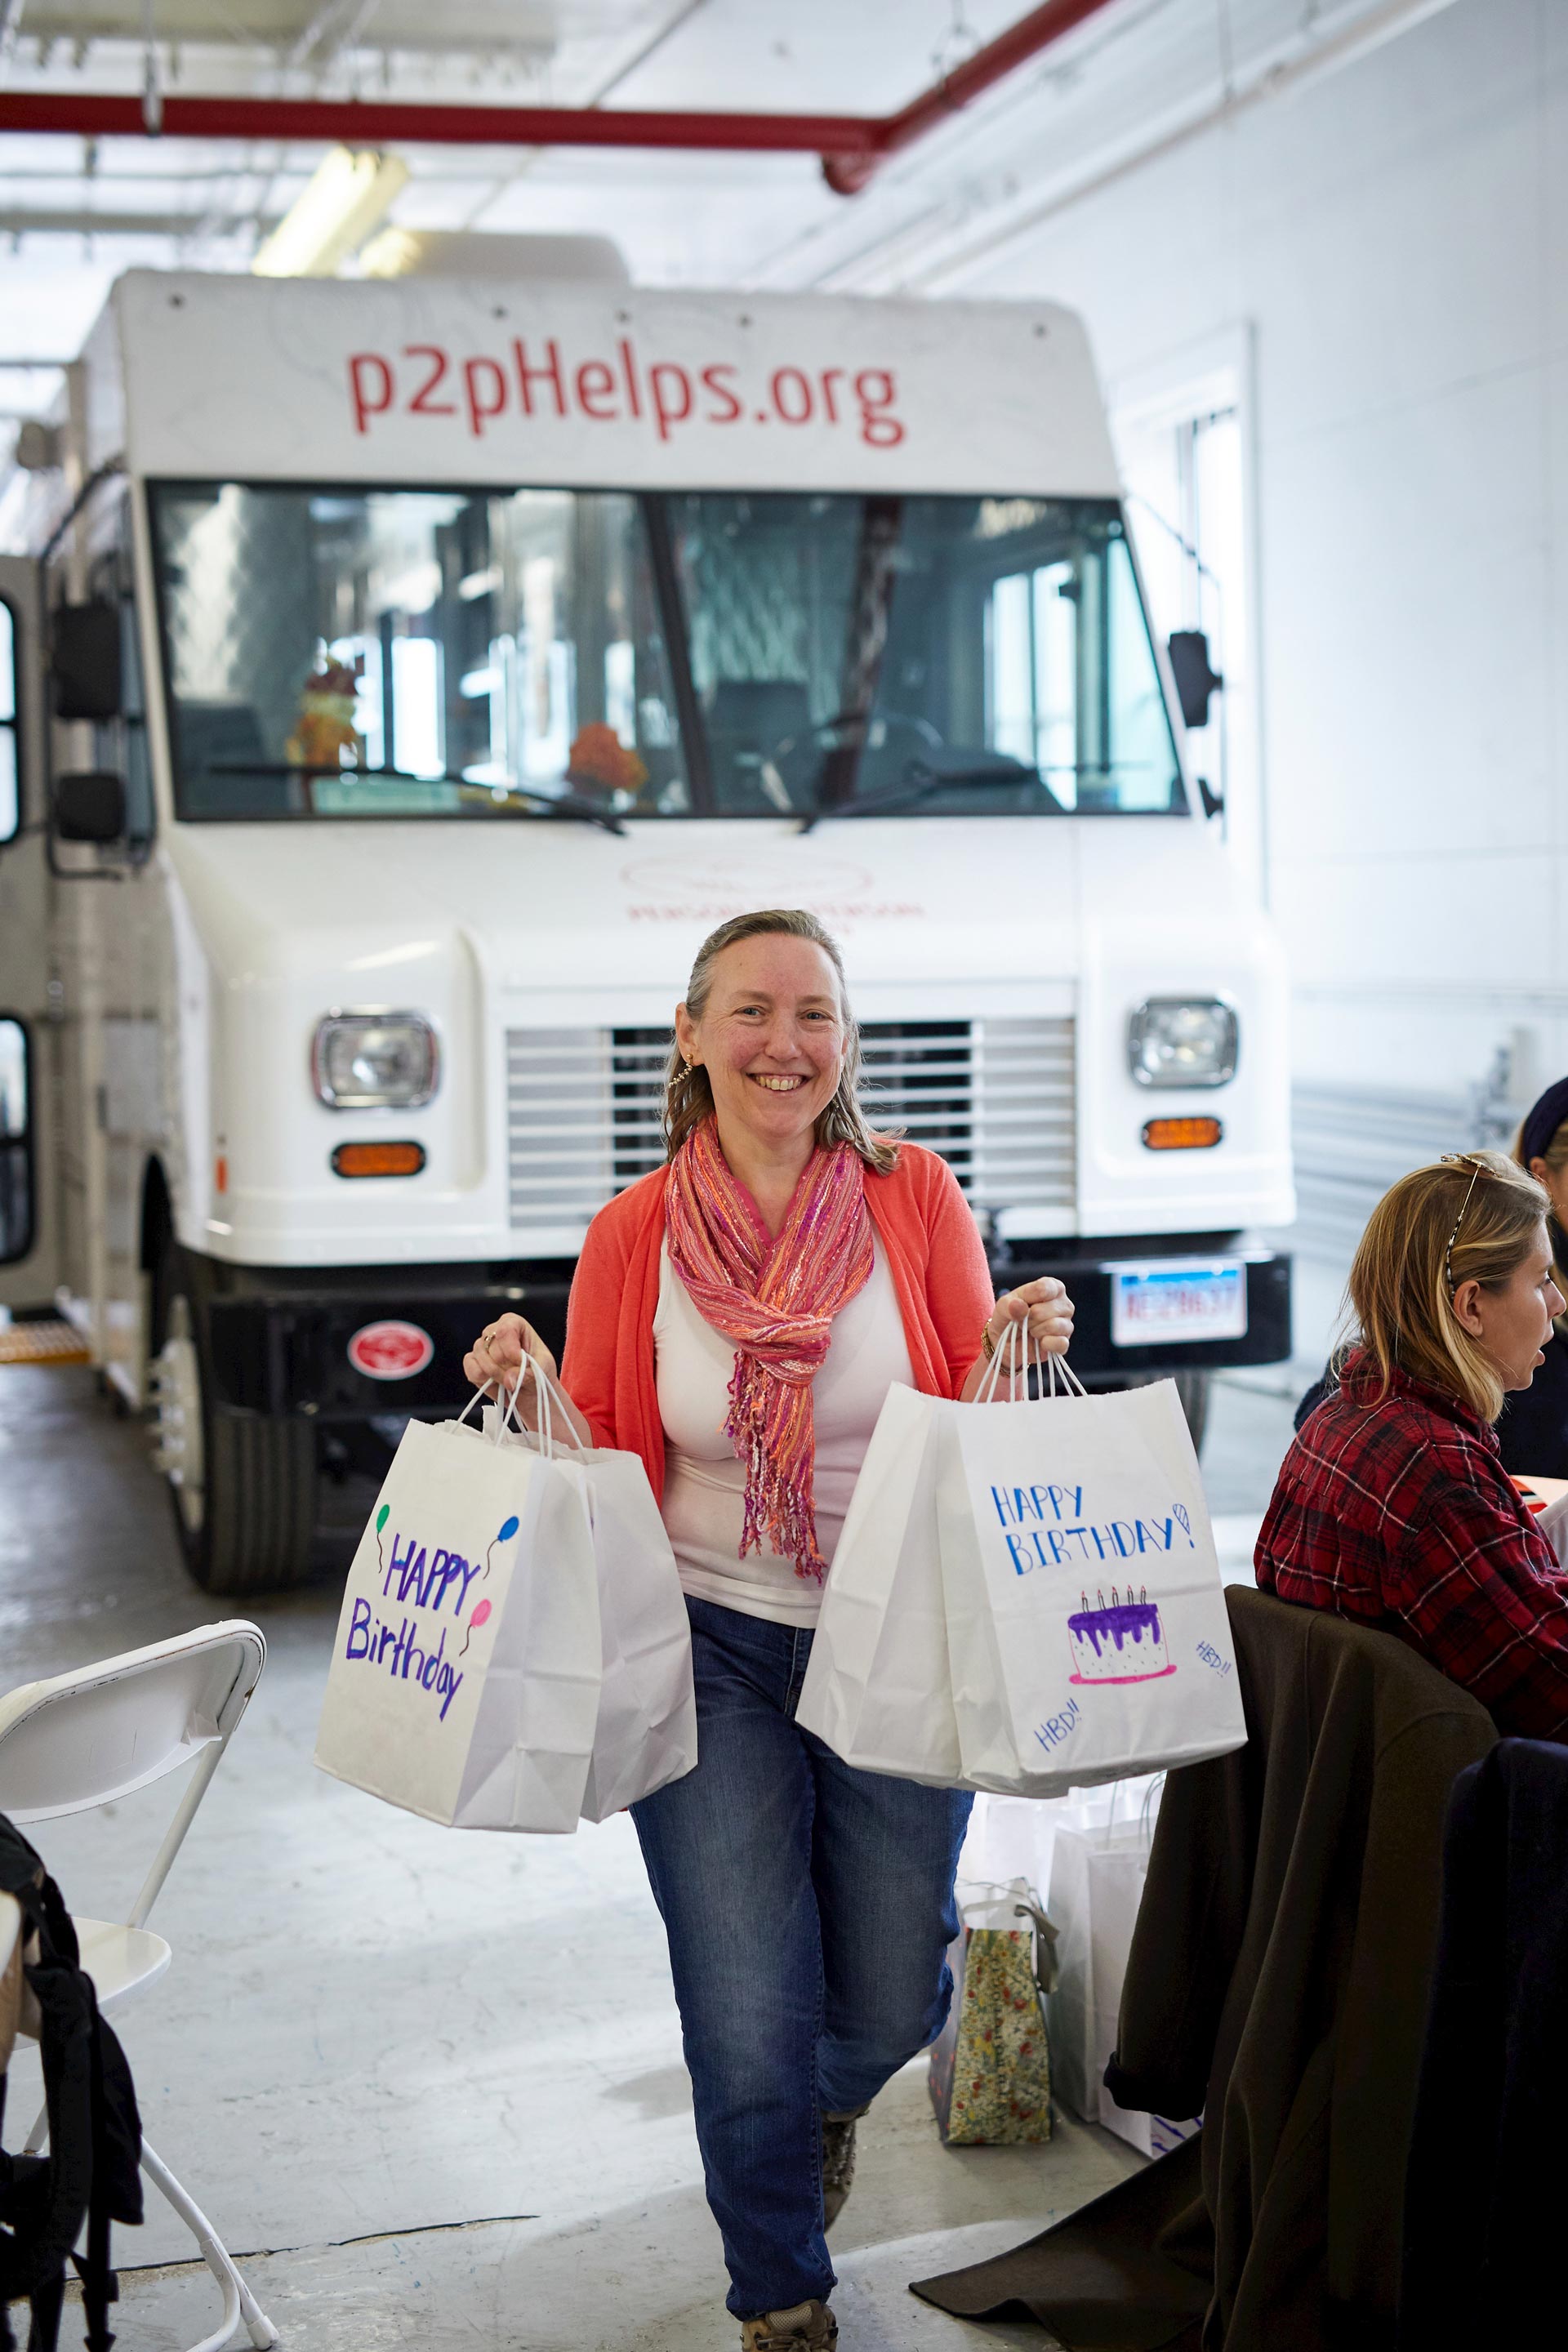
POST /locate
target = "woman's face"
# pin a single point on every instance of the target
(1514, 1321)
(771, 1038)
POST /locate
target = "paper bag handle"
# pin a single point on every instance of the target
(1016, 1352)
(1145, 1811)
(477, 1398)
(504, 1417)
(556, 1425)
(551, 1410)
(1047, 1968)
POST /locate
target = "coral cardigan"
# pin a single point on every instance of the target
(933, 1250)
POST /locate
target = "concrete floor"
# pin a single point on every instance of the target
(429, 2084)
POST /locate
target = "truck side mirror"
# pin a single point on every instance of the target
(84, 659)
(1196, 680)
(89, 806)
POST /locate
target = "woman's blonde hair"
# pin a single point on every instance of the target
(688, 1092)
(1411, 1260)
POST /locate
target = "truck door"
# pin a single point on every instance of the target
(28, 1219)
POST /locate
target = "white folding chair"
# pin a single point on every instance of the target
(87, 1738)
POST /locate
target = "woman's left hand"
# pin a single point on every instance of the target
(1045, 1310)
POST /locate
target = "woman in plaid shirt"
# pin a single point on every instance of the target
(1391, 1505)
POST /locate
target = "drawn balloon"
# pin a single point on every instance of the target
(508, 1529)
(478, 1618)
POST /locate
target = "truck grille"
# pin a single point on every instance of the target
(995, 1098)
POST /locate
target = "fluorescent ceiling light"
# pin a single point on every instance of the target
(349, 193)
(393, 254)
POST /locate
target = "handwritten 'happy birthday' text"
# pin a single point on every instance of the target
(424, 1578)
(1045, 1527)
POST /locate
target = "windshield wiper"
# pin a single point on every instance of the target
(567, 808)
(919, 783)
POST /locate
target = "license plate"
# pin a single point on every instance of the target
(1179, 1300)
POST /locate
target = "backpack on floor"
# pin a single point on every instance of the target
(91, 2173)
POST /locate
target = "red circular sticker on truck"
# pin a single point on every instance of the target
(391, 1351)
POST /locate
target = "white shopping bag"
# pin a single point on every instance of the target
(1086, 1618)
(465, 1676)
(646, 1732)
(1015, 1837)
(877, 1687)
(1097, 1885)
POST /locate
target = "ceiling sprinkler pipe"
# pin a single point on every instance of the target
(846, 174)
(851, 146)
(382, 123)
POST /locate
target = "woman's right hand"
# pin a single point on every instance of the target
(495, 1359)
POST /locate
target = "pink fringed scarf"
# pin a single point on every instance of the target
(776, 1300)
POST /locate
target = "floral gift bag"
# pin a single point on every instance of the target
(990, 2072)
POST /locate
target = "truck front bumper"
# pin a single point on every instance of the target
(1086, 1268)
(280, 1340)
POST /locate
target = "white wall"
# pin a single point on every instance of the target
(1396, 240)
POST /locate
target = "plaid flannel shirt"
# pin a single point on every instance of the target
(1398, 1512)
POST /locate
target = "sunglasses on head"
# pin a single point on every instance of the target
(1478, 1167)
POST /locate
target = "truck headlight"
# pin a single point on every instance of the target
(1182, 1041)
(374, 1061)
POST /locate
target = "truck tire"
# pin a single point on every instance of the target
(242, 1485)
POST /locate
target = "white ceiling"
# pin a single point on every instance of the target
(73, 213)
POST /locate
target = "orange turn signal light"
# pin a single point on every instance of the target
(378, 1159)
(1182, 1134)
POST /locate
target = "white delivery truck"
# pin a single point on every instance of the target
(411, 674)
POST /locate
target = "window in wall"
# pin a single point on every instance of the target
(10, 767)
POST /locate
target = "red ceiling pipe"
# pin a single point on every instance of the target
(376, 122)
(847, 173)
(851, 146)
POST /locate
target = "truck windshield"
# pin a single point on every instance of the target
(398, 653)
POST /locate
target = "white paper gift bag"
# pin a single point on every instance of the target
(646, 1735)
(1085, 1619)
(1015, 1837)
(465, 1676)
(1097, 1885)
(646, 1732)
(877, 1687)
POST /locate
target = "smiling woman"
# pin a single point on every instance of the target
(738, 1319)
(777, 1024)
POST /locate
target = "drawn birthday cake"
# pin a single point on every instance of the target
(1119, 1641)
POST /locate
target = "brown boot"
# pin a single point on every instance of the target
(805, 2324)
(837, 2162)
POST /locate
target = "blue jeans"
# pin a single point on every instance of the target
(809, 1907)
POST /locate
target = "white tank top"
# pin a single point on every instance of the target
(704, 1485)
